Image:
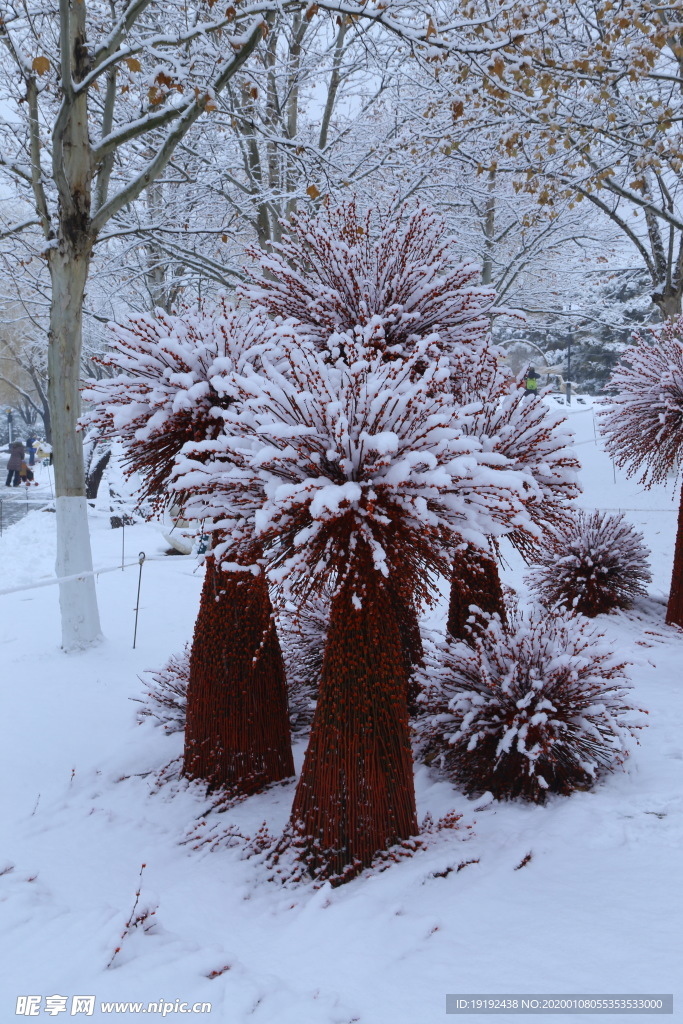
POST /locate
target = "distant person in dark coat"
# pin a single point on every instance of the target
(30, 447)
(16, 457)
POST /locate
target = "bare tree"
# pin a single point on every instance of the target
(101, 95)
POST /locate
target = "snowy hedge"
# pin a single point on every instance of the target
(597, 562)
(537, 707)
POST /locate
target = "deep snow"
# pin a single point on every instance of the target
(597, 908)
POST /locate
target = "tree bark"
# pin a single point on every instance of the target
(78, 599)
(674, 611)
(356, 794)
(668, 301)
(237, 734)
(475, 581)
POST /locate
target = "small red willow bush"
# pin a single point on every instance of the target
(535, 707)
(597, 563)
(165, 696)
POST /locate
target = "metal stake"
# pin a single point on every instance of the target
(0, 517)
(141, 559)
(123, 542)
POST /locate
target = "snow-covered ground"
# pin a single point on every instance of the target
(595, 908)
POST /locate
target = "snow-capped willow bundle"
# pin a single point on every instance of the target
(535, 441)
(170, 384)
(535, 707)
(357, 477)
(390, 272)
(174, 386)
(595, 563)
(643, 426)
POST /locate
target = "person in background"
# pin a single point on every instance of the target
(531, 382)
(30, 447)
(16, 457)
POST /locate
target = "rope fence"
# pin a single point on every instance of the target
(95, 572)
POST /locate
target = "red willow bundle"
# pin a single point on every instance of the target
(173, 391)
(359, 477)
(643, 427)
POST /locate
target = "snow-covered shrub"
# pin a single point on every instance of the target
(537, 707)
(302, 633)
(165, 698)
(533, 437)
(390, 273)
(596, 563)
(170, 384)
(321, 459)
(643, 424)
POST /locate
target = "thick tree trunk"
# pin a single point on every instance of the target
(475, 581)
(674, 611)
(77, 599)
(356, 795)
(237, 734)
(69, 259)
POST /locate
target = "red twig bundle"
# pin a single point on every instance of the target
(237, 732)
(476, 593)
(172, 385)
(534, 708)
(594, 564)
(643, 427)
(389, 273)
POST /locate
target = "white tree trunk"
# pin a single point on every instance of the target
(77, 599)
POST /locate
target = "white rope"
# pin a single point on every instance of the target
(85, 575)
(26, 501)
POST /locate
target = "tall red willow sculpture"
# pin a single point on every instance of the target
(173, 389)
(392, 275)
(643, 427)
(358, 476)
(534, 440)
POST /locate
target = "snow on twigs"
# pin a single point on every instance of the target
(172, 384)
(165, 697)
(533, 438)
(388, 272)
(360, 441)
(643, 424)
(595, 563)
(536, 707)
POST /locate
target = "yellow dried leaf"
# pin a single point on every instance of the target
(41, 65)
(313, 192)
(133, 64)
